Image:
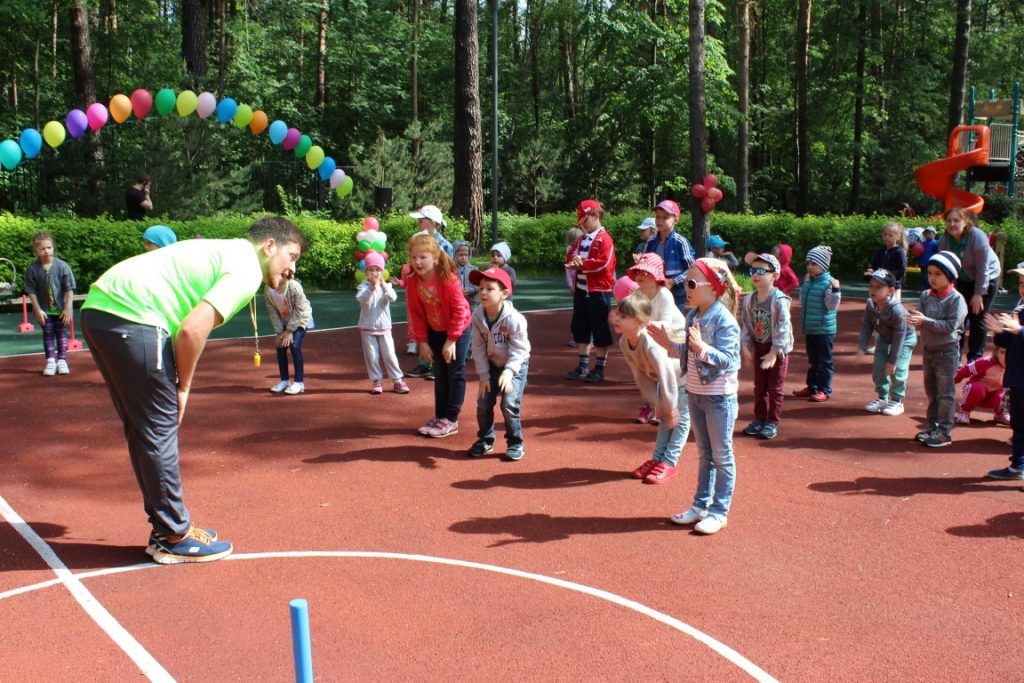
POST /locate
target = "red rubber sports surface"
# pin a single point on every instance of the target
(852, 553)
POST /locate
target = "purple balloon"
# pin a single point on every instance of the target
(291, 138)
(77, 122)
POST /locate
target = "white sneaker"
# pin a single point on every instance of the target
(280, 386)
(295, 388)
(62, 368)
(687, 517)
(876, 405)
(893, 408)
(51, 367)
(711, 524)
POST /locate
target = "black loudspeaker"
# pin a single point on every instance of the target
(382, 198)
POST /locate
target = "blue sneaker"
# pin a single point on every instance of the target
(769, 430)
(154, 538)
(196, 546)
(515, 452)
(1008, 473)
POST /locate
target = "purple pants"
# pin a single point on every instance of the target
(55, 338)
(768, 385)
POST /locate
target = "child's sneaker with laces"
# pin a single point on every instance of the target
(401, 387)
(770, 430)
(711, 524)
(444, 427)
(661, 473)
(876, 405)
(295, 388)
(62, 367)
(280, 386)
(196, 546)
(155, 538)
(1007, 473)
(938, 439)
(479, 449)
(645, 414)
(51, 367)
(753, 429)
(962, 417)
(687, 517)
(923, 435)
(377, 388)
(577, 372)
(893, 408)
(1003, 419)
(515, 452)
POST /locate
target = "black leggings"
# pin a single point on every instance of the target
(974, 326)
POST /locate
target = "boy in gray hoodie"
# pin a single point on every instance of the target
(886, 317)
(940, 318)
(501, 352)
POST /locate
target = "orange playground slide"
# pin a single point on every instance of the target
(936, 178)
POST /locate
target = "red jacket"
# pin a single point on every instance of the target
(454, 308)
(599, 266)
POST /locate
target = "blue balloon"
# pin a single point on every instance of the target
(226, 109)
(362, 264)
(326, 168)
(278, 129)
(31, 142)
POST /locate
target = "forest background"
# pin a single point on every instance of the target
(845, 100)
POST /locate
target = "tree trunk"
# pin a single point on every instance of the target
(222, 45)
(858, 108)
(803, 156)
(533, 12)
(320, 97)
(468, 193)
(566, 47)
(698, 124)
(415, 60)
(743, 127)
(958, 82)
(648, 134)
(193, 39)
(85, 92)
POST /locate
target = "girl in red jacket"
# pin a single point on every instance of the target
(439, 318)
(984, 387)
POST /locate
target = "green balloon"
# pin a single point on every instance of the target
(165, 101)
(305, 143)
(364, 245)
(344, 189)
(379, 245)
(243, 116)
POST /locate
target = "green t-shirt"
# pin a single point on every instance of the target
(161, 287)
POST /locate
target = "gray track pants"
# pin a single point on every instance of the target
(137, 363)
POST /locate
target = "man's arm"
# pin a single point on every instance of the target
(188, 346)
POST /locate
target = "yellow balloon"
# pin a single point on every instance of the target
(315, 157)
(386, 275)
(360, 275)
(187, 102)
(53, 133)
(120, 108)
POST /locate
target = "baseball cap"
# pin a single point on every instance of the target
(929, 228)
(884, 276)
(586, 207)
(492, 273)
(430, 211)
(716, 242)
(766, 258)
(669, 206)
(647, 224)
(1019, 270)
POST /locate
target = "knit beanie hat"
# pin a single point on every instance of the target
(374, 259)
(462, 243)
(947, 262)
(503, 249)
(820, 256)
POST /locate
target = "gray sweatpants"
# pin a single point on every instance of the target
(137, 363)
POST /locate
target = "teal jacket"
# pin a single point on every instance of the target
(819, 305)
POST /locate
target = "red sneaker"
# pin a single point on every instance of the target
(642, 471)
(803, 393)
(818, 397)
(646, 413)
(661, 473)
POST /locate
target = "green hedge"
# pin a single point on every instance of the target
(91, 246)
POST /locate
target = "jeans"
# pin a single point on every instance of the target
(898, 389)
(282, 356)
(510, 405)
(450, 378)
(670, 441)
(768, 385)
(713, 418)
(974, 325)
(939, 370)
(55, 338)
(819, 360)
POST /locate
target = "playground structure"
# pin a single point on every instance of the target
(988, 149)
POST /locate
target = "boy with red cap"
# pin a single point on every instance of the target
(674, 249)
(592, 262)
(501, 351)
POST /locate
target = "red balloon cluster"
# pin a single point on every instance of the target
(707, 192)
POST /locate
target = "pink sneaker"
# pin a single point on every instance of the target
(425, 429)
(645, 414)
(644, 470)
(962, 417)
(401, 387)
(443, 428)
(1003, 419)
(377, 388)
(661, 473)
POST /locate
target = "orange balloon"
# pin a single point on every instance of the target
(120, 108)
(258, 122)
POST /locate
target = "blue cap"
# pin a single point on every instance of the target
(647, 224)
(716, 242)
(160, 235)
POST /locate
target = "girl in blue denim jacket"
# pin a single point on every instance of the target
(711, 363)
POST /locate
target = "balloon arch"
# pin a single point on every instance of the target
(204, 105)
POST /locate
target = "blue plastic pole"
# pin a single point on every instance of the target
(300, 641)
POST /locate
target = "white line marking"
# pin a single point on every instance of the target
(104, 619)
(720, 648)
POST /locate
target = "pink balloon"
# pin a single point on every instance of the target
(142, 102)
(710, 181)
(698, 191)
(624, 286)
(206, 104)
(96, 114)
(715, 193)
(370, 224)
(336, 178)
(291, 138)
(708, 204)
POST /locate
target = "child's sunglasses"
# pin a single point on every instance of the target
(694, 284)
(760, 271)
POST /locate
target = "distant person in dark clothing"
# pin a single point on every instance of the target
(136, 199)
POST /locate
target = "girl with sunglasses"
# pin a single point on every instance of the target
(711, 363)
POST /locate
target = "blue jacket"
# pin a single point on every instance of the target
(678, 256)
(1013, 377)
(720, 330)
(820, 302)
